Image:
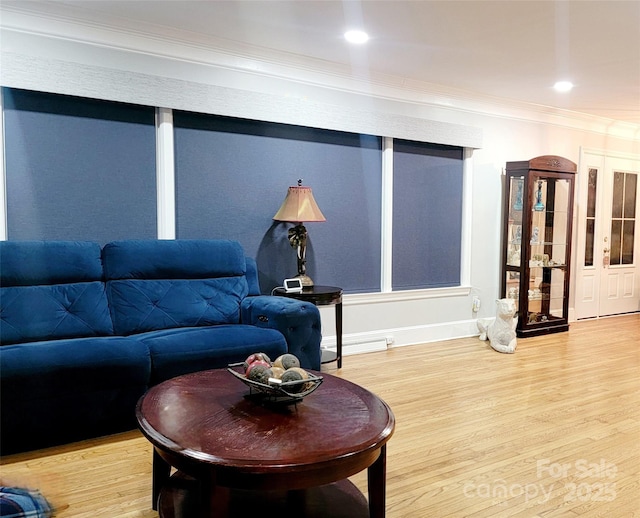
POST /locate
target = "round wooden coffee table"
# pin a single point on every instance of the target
(236, 456)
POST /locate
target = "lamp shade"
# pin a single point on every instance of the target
(299, 206)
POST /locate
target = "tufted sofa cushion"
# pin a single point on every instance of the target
(51, 290)
(155, 285)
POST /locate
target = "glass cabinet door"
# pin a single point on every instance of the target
(548, 247)
(514, 253)
(514, 237)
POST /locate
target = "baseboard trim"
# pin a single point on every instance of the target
(358, 343)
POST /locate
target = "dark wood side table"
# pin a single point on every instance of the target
(237, 457)
(322, 296)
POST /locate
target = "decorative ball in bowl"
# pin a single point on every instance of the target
(279, 381)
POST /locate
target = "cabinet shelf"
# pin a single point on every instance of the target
(536, 250)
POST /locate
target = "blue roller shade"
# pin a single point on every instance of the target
(78, 169)
(232, 175)
(427, 215)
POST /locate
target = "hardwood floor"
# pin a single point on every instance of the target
(550, 431)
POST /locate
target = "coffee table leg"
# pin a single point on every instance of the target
(377, 482)
(214, 499)
(160, 478)
(339, 334)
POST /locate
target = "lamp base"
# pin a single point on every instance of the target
(305, 279)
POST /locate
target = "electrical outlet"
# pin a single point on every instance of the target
(476, 304)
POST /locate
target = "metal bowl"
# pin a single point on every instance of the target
(287, 392)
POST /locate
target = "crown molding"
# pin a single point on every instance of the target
(70, 25)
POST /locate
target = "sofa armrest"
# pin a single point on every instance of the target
(298, 321)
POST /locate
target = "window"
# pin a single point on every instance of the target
(78, 168)
(427, 215)
(84, 169)
(591, 217)
(232, 176)
(623, 217)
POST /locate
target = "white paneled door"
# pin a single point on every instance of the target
(608, 230)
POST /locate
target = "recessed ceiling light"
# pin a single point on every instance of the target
(357, 37)
(563, 86)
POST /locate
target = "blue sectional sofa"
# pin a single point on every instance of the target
(86, 330)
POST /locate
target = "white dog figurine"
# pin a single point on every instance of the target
(502, 331)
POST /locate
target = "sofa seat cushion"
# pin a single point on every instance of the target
(180, 351)
(63, 390)
(74, 364)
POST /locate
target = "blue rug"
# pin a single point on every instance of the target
(23, 503)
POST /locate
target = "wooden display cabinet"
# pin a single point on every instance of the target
(536, 242)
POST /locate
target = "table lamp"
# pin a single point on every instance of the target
(299, 206)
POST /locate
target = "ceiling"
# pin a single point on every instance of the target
(498, 50)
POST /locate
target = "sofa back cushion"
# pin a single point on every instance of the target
(51, 290)
(163, 284)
